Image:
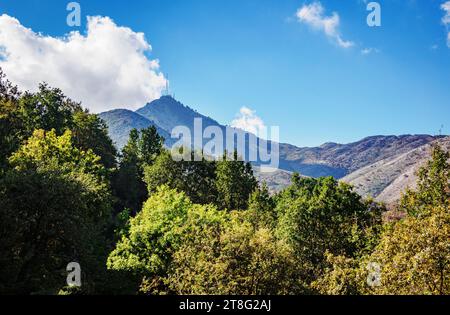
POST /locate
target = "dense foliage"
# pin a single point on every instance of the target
(413, 254)
(195, 178)
(140, 222)
(142, 150)
(55, 204)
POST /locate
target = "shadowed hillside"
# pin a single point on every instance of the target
(121, 121)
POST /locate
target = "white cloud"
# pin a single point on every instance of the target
(247, 120)
(446, 7)
(105, 69)
(446, 19)
(368, 51)
(313, 15)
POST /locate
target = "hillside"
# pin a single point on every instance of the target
(338, 160)
(121, 121)
(276, 181)
(388, 178)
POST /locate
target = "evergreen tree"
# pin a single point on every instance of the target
(150, 145)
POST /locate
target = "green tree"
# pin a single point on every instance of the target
(415, 252)
(54, 207)
(195, 177)
(414, 256)
(323, 215)
(10, 122)
(45, 150)
(150, 145)
(177, 247)
(141, 150)
(433, 186)
(233, 258)
(261, 209)
(90, 132)
(344, 276)
(235, 183)
(166, 221)
(49, 109)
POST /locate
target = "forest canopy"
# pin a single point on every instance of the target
(139, 222)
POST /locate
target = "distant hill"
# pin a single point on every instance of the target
(386, 179)
(121, 121)
(329, 159)
(338, 160)
(276, 181)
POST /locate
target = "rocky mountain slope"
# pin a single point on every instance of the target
(338, 160)
(386, 179)
(276, 181)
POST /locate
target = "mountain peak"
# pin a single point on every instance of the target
(166, 100)
(169, 113)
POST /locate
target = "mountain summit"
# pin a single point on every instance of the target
(168, 113)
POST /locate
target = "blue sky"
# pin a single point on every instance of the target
(222, 55)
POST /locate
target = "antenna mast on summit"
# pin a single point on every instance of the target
(167, 86)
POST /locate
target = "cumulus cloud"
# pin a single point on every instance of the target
(106, 68)
(314, 15)
(247, 120)
(446, 19)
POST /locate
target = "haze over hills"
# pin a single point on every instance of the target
(354, 162)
